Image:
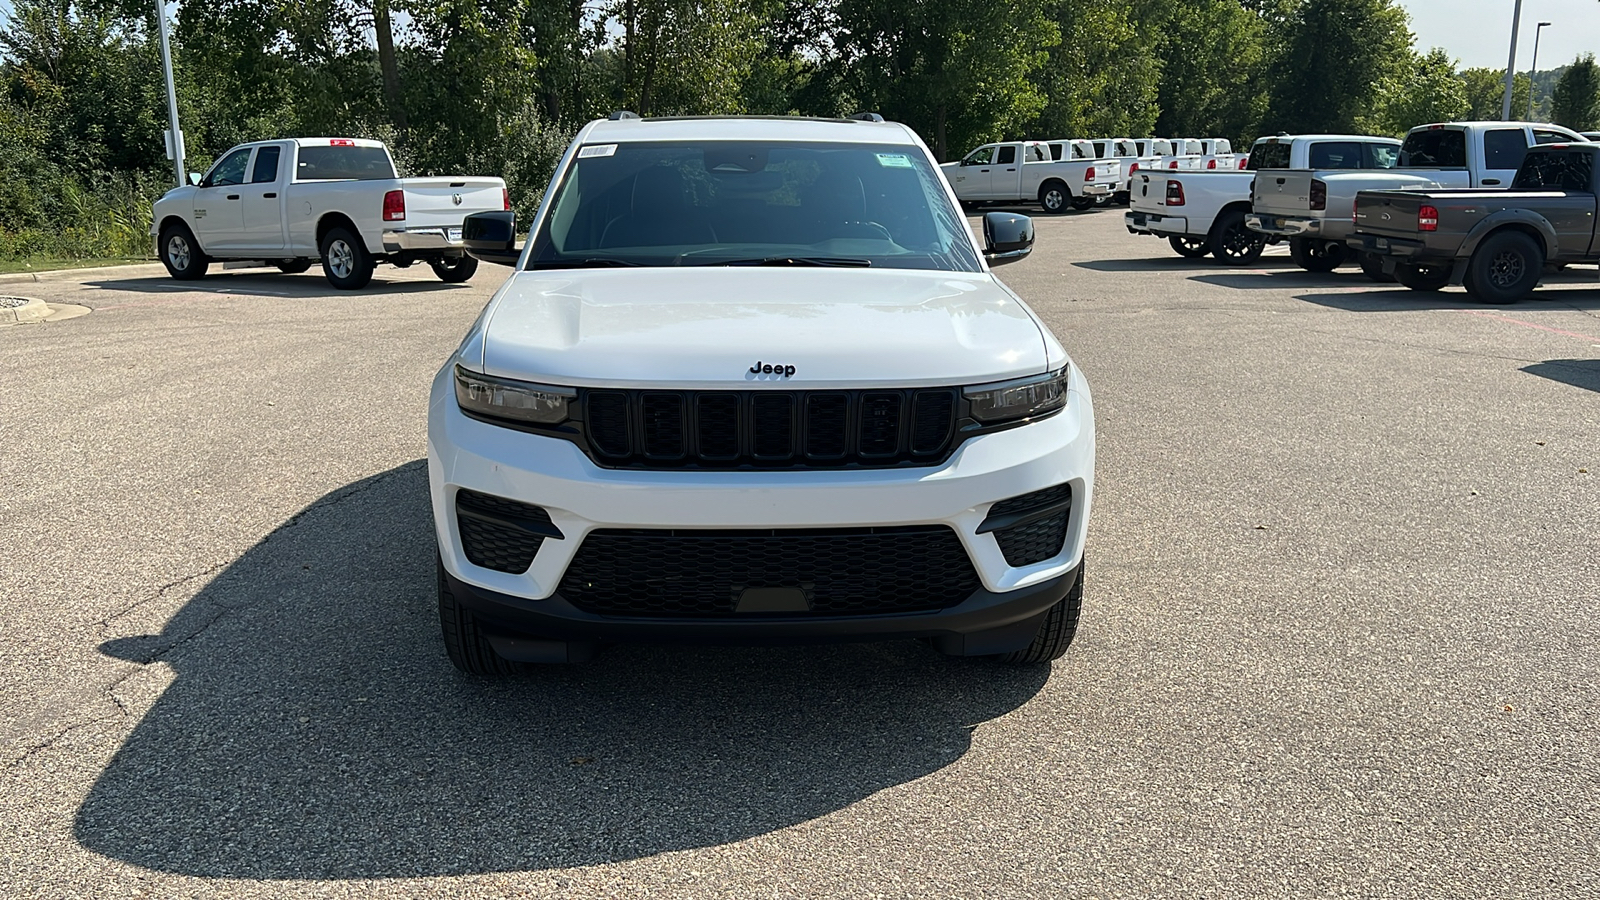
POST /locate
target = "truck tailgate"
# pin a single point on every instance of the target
(1391, 213)
(1283, 192)
(446, 201)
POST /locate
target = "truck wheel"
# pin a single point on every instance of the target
(454, 270)
(1505, 268)
(1423, 276)
(293, 266)
(345, 259)
(1054, 197)
(1316, 255)
(181, 253)
(468, 649)
(1193, 248)
(1056, 634)
(1082, 203)
(1230, 242)
(1372, 267)
(1120, 198)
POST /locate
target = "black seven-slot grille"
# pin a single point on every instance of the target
(1031, 528)
(771, 428)
(501, 534)
(832, 572)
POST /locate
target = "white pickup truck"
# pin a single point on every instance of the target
(1023, 172)
(286, 203)
(1311, 204)
(1203, 211)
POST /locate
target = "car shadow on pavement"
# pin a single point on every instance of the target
(1181, 264)
(314, 728)
(267, 284)
(1583, 373)
(1392, 298)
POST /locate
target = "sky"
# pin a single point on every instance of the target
(1478, 32)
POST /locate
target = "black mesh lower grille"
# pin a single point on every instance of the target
(495, 531)
(1033, 538)
(1034, 542)
(856, 571)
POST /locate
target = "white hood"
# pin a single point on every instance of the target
(706, 327)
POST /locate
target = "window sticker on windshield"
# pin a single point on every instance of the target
(895, 160)
(597, 150)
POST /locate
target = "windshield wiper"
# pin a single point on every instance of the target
(831, 261)
(597, 262)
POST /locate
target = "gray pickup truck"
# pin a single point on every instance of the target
(1496, 243)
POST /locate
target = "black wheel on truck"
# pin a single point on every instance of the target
(1372, 267)
(1505, 268)
(454, 269)
(1423, 276)
(181, 253)
(293, 266)
(1193, 248)
(345, 260)
(1054, 197)
(468, 649)
(1056, 634)
(1315, 255)
(1082, 203)
(1231, 243)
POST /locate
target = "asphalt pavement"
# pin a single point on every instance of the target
(1340, 625)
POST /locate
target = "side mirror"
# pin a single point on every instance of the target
(195, 178)
(1007, 237)
(492, 237)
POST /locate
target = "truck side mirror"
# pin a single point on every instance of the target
(194, 178)
(1007, 237)
(492, 237)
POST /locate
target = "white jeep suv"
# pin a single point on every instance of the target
(752, 381)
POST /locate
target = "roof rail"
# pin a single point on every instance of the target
(617, 115)
(867, 117)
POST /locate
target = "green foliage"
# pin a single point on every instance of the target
(1486, 92)
(1575, 102)
(1336, 58)
(1102, 78)
(1214, 54)
(1424, 91)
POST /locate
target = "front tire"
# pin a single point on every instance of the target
(1054, 197)
(345, 260)
(1056, 634)
(181, 253)
(468, 649)
(454, 270)
(1187, 247)
(1428, 277)
(1505, 268)
(1316, 255)
(1231, 243)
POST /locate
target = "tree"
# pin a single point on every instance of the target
(1214, 56)
(1426, 90)
(1336, 57)
(1486, 90)
(1103, 76)
(1575, 102)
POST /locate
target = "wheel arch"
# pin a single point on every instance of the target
(1520, 220)
(171, 219)
(1054, 180)
(332, 220)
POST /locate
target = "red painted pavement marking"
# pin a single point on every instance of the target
(1585, 337)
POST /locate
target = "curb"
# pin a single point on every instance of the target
(28, 313)
(60, 274)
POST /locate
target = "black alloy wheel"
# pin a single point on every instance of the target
(1505, 268)
(1316, 255)
(1232, 243)
(1188, 247)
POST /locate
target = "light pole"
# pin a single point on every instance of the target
(174, 133)
(1533, 70)
(1511, 64)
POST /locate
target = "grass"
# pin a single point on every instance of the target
(12, 266)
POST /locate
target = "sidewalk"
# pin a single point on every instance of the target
(69, 274)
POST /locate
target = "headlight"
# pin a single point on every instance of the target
(519, 400)
(1036, 395)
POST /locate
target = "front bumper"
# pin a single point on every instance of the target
(422, 239)
(581, 497)
(1156, 224)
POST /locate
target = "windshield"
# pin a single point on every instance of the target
(752, 202)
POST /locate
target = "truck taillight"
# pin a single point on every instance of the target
(1088, 174)
(1428, 218)
(1211, 164)
(1244, 162)
(1319, 194)
(1173, 164)
(1133, 168)
(505, 198)
(394, 206)
(1174, 193)
(341, 142)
